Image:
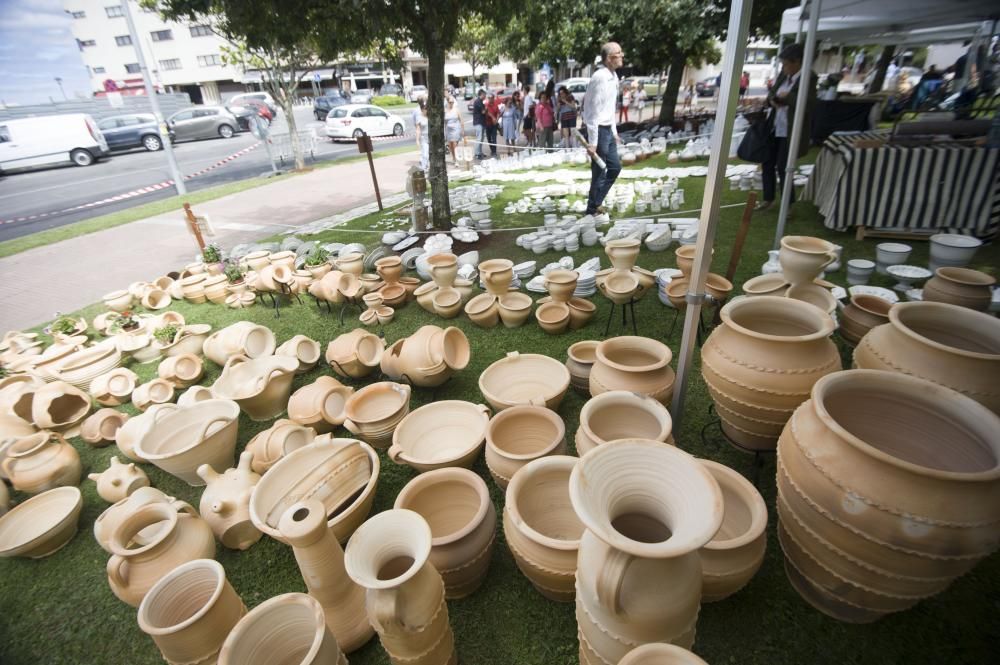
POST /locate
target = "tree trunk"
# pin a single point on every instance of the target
(440, 204)
(880, 68)
(669, 101)
(293, 133)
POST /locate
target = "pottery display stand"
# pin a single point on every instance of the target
(284, 290)
(758, 455)
(628, 307)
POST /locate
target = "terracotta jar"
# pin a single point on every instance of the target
(620, 414)
(101, 427)
(874, 514)
(647, 509)
(560, 284)
(241, 338)
(132, 571)
(389, 555)
(515, 307)
(285, 630)
(579, 361)
(447, 303)
(520, 434)
(320, 405)
(119, 480)
(428, 357)
(225, 503)
(321, 561)
(355, 354)
(261, 386)
(181, 371)
(389, 268)
(446, 433)
(580, 312)
(950, 345)
(803, 258)
(189, 612)
(658, 653)
(619, 287)
(307, 351)
(374, 411)
(483, 310)
(623, 253)
(864, 313)
(960, 286)
(108, 521)
(157, 391)
(541, 528)
(352, 264)
(456, 505)
(281, 438)
(637, 364)
(42, 462)
(443, 269)
(42, 525)
(497, 275)
(59, 406)
(761, 363)
(734, 555)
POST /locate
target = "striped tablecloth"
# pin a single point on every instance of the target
(944, 186)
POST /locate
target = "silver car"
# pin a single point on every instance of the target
(202, 122)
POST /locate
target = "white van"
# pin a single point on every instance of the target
(50, 139)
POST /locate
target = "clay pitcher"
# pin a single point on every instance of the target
(497, 275)
(443, 269)
(389, 268)
(119, 480)
(225, 503)
(803, 258)
(41, 462)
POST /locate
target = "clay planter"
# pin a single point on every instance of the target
(352, 264)
(118, 301)
(101, 428)
(278, 440)
(623, 253)
(553, 317)
(685, 258)
(303, 349)
(389, 555)
(637, 364)
(579, 361)
(864, 313)
(676, 292)
(114, 388)
(285, 258)
(560, 284)
(119, 480)
(390, 269)
(59, 406)
(947, 344)
(374, 412)
(619, 287)
(190, 339)
(803, 258)
(619, 414)
(135, 428)
(241, 338)
(189, 612)
(735, 553)
(157, 391)
(770, 284)
(156, 299)
(483, 310)
(541, 528)
(647, 508)
(108, 521)
(447, 303)
(658, 653)
(524, 378)
(355, 354)
(815, 295)
(515, 308)
(761, 363)
(456, 505)
(41, 462)
(874, 513)
(284, 630)
(261, 387)
(192, 288)
(181, 371)
(42, 525)
(718, 286)
(132, 571)
(320, 405)
(962, 287)
(580, 312)
(497, 275)
(341, 473)
(442, 434)
(519, 435)
(225, 503)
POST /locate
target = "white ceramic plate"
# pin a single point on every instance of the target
(877, 291)
(406, 242)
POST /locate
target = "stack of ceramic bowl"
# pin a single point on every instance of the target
(524, 270)
(586, 285)
(541, 244)
(82, 367)
(890, 253)
(663, 279)
(393, 237)
(952, 251)
(659, 240)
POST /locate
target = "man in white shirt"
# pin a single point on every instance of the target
(602, 134)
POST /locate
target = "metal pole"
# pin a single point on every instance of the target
(725, 115)
(805, 83)
(798, 33)
(168, 148)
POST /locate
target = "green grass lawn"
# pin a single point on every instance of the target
(60, 610)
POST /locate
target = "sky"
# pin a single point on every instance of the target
(36, 46)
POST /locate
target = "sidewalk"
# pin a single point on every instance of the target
(67, 275)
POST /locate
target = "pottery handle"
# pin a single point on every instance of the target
(234, 360)
(396, 454)
(204, 432)
(164, 410)
(351, 427)
(93, 476)
(833, 257)
(600, 285)
(385, 610)
(537, 401)
(485, 410)
(115, 572)
(611, 578)
(8, 467)
(514, 354)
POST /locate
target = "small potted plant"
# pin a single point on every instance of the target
(211, 256)
(128, 322)
(318, 263)
(235, 274)
(166, 335)
(65, 327)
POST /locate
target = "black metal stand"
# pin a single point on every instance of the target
(626, 309)
(758, 455)
(348, 302)
(284, 290)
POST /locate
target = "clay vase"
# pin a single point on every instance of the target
(443, 269)
(497, 275)
(181, 371)
(637, 364)
(241, 338)
(101, 427)
(261, 386)
(374, 412)
(803, 258)
(761, 363)
(41, 462)
(874, 513)
(189, 612)
(658, 653)
(519, 435)
(580, 359)
(389, 268)
(389, 555)
(620, 414)
(108, 521)
(560, 284)
(734, 555)
(960, 286)
(623, 253)
(647, 508)
(285, 630)
(119, 480)
(59, 406)
(861, 315)
(281, 438)
(950, 345)
(157, 391)
(132, 571)
(541, 528)
(356, 354)
(320, 405)
(225, 503)
(303, 349)
(456, 505)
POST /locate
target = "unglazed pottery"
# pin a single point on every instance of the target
(101, 427)
(157, 391)
(241, 338)
(861, 315)
(483, 310)
(520, 434)
(307, 351)
(181, 371)
(390, 269)
(118, 301)
(261, 386)
(947, 344)
(107, 521)
(59, 406)
(962, 287)
(761, 363)
(282, 437)
(638, 364)
(874, 512)
(374, 412)
(560, 284)
(428, 357)
(515, 308)
(42, 525)
(320, 405)
(770, 284)
(620, 414)
(623, 253)
(389, 555)
(190, 339)
(456, 505)
(41, 462)
(355, 354)
(119, 480)
(619, 287)
(647, 508)
(497, 275)
(193, 395)
(803, 258)
(135, 428)
(446, 433)
(553, 317)
(658, 653)
(225, 503)
(524, 378)
(114, 388)
(580, 312)
(447, 303)
(189, 612)
(580, 358)
(685, 258)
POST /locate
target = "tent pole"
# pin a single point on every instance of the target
(725, 115)
(805, 82)
(802, 9)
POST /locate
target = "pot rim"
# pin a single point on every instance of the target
(448, 474)
(174, 453)
(952, 311)
(597, 402)
(644, 342)
(965, 276)
(812, 240)
(382, 386)
(522, 477)
(519, 409)
(21, 512)
(261, 614)
(587, 343)
(421, 548)
(144, 606)
(751, 498)
(555, 390)
(478, 410)
(826, 324)
(25, 446)
(861, 299)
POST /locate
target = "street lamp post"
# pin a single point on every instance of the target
(59, 83)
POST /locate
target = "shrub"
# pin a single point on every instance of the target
(388, 100)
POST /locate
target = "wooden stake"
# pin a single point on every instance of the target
(741, 236)
(193, 225)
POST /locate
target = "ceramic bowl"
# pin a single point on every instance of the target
(41, 525)
(771, 284)
(890, 253)
(553, 317)
(906, 275)
(440, 434)
(524, 378)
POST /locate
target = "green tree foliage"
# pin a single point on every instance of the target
(479, 42)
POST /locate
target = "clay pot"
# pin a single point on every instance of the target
(317, 272)
(456, 505)
(225, 503)
(389, 268)
(442, 434)
(285, 258)
(278, 440)
(770, 284)
(620, 414)
(685, 258)
(561, 284)
(648, 509)
(132, 571)
(658, 653)
(114, 388)
(320, 405)
(735, 553)
(42, 525)
(355, 354)
(257, 260)
(645, 278)
(181, 371)
(190, 339)
(861, 315)
(443, 269)
(483, 310)
(261, 387)
(553, 317)
(241, 338)
(41, 462)
(303, 349)
(192, 287)
(109, 520)
(59, 406)
(637, 364)
(428, 357)
(193, 395)
(157, 391)
(352, 263)
(189, 612)
(393, 295)
(874, 513)
(718, 286)
(580, 360)
(803, 258)
(623, 253)
(119, 480)
(580, 312)
(761, 363)
(156, 299)
(135, 428)
(962, 287)
(497, 275)
(524, 378)
(619, 287)
(101, 428)
(514, 309)
(285, 630)
(374, 412)
(541, 528)
(118, 301)
(389, 556)
(520, 434)
(815, 295)
(447, 303)
(947, 344)
(676, 292)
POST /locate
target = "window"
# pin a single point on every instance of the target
(360, 113)
(183, 115)
(758, 56)
(123, 40)
(209, 60)
(339, 113)
(99, 70)
(200, 31)
(205, 113)
(132, 68)
(78, 14)
(84, 43)
(173, 63)
(162, 35)
(4, 134)
(114, 11)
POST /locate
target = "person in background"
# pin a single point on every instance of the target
(423, 136)
(626, 100)
(454, 127)
(528, 124)
(640, 100)
(602, 134)
(511, 121)
(718, 86)
(545, 119)
(479, 121)
(567, 117)
(492, 120)
(688, 94)
(744, 84)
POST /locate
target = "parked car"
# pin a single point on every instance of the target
(362, 96)
(248, 110)
(390, 89)
(135, 130)
(353, 120)
(417, 91)
(322, 105)
(202, 122)
(705, 88)
(576, 86)
(51, 139)
(470, 90)
(263, 97)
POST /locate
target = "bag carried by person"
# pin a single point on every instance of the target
(757, 145)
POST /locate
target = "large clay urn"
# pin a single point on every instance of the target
(497, 274)
(647, 508)
(637, 364)
(888, 490)
(960, 286)
(761, 363)
(947, 344)
(803, 258)
(285, 630)
(41, 462)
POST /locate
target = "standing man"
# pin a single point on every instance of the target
(492, 121)
(529, 114)
(479, 121)
(602, 134)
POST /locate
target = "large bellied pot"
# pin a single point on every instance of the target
(637, 364)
